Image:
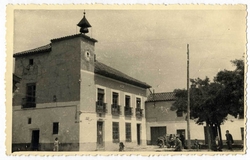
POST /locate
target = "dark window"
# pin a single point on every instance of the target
(241, 116)
(127, 101)
(242, 133)
(30, 100)
(181, 132)
(100, 96)
(115, 97)
(54, 98)
(116, 132)
(115, 108)
(138, 102)
(128, 132)
(29, 120)
(31, 62)
(100, 105)
(179, 113)
(55, 127)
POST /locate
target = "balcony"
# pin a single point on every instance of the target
(101, 107)
(139, 112)
(128, 111)
(115, 110)
(28, 103)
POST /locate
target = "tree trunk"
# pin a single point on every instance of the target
(219, 130)
(213, 133)
(208, 135)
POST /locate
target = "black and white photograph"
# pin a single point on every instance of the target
(163, 80)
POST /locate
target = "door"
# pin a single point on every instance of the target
(35, 140)
(138, 128)
(182, 134)
(205, 135)
(181, 131)
(100, 143)
(157, 132)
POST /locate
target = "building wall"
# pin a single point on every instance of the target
(89, 117)
(68, 72)
(55, 73)
(160, 111)
(158, 114)
(89, 132)
(42, 119)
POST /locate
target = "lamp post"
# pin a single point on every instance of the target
(188, 102)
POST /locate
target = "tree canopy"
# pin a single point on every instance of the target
(233, 83)
(211, 102)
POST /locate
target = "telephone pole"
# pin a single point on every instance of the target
(188, 102)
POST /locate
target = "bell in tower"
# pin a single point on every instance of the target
(84, 24)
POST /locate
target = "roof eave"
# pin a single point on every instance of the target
(30, 53)
(160, 100)
(124, 80)
(73, 36)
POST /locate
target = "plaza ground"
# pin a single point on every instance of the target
(154, 148)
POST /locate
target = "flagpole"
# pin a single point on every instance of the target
(188, 102)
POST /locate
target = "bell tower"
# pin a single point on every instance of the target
(84, 25)
(87, 46)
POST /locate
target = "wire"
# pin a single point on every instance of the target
(162, 39)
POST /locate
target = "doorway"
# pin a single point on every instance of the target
(138, 128)
(100, 143)
(156, 132)
(181, 131)
(35, 140)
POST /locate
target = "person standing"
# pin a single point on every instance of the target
(229, 140)
(217, 143)
(196, 144)
(183, 139)
(178, 144)
(56, 144)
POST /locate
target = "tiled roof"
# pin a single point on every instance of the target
(166, 96)
(45, 48)
(107, 71)
(72, 36)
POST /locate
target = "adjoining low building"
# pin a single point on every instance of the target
(66, 93)
(161, 120)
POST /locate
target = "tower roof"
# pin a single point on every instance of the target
(84, 24)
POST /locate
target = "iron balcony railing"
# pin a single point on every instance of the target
(101, 107)
(139, 112)
(128, 111)
(26, 103)
(115, 109)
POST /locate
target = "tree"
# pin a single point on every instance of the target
(233, 82)
(203, 105)
(211, 102)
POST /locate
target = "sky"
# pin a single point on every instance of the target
(149, 45)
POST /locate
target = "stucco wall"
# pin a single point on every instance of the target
(159, 114)
(89, 117)
(42, 119)
(88, 134)
(55, 73)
